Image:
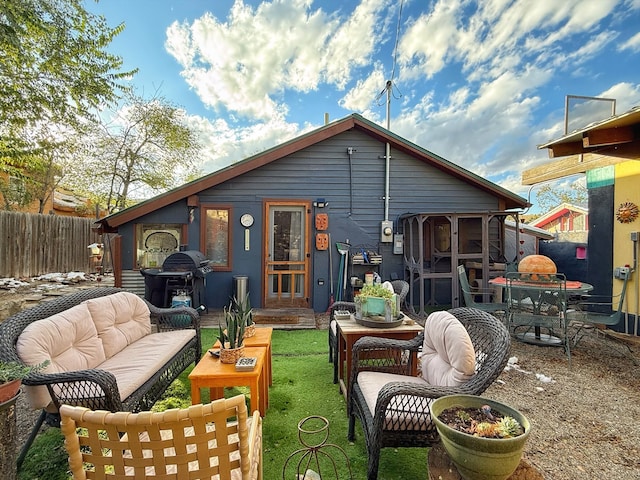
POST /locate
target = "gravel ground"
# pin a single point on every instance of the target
(584, 414)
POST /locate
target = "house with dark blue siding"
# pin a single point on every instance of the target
(273, 222)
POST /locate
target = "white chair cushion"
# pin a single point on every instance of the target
(448, 358)
(397, 416)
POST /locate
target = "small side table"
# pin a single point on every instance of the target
(262, 338)
(211, 373)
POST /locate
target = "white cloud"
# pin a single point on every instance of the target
(245, 64)
(632, 44)
(224, 144)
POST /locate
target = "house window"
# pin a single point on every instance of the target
(17, 192)
(155, 242)
(217, 236)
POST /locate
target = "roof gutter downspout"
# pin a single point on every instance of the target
(387, 154)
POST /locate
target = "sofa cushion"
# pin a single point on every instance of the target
(120, 319)
(69, 340)
(448, 357)
(138, 362)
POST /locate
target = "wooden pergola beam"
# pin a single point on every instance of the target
(565, 149)
(608, 136)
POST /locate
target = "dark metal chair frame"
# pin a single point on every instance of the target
(491, 343)
(97, 389)
(469, 294)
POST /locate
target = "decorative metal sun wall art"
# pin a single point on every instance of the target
(627, 212)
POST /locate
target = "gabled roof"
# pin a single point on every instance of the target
(530, 229)
(557, 212)
(354, 121)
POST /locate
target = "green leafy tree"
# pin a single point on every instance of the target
(145, 148)
(54, 64)
(550, 196)
(54, 69)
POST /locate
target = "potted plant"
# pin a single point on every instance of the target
(231, 338)
(11, 375)
(377, 300)
(483, 438)
(243, 309)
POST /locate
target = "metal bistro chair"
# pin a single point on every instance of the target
(495, 308)
(400, 287)
(216, 440)
(591, 311)
(535, 303)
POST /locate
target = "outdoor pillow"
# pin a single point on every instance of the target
(120, 319)
(448, 358)
(69, 340)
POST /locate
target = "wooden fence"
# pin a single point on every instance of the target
(34, 244)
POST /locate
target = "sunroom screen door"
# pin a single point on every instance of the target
(287, 255)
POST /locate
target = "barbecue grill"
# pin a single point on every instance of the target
(186, 270)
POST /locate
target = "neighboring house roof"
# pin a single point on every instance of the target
(530, 229)
(558, 212)
(354, 121)
(599, 144)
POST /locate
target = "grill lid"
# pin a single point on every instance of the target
(187, 261)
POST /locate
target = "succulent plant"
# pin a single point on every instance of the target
(236, 323)
(243, 309)
(509, 427)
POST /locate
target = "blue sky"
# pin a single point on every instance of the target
(480, 83)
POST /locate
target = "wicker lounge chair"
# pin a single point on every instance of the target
(401, 415)
(216, 440)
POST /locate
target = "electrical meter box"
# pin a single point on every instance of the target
(621, 273)
(398, 244)
(386, 231)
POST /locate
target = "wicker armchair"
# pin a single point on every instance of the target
(399, 286)
(214, 440)
(401, 415)
(333, 339)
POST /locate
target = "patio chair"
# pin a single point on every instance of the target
(592, 311)
(400, 287)
(393, 405)
(215, 440)
(495, 308)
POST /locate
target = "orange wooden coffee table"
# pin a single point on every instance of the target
(262, 338)
(211, 373)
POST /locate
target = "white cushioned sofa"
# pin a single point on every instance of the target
(108, 349)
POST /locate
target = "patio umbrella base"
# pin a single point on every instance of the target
(541, 339)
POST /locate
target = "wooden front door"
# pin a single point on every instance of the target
(287, 254)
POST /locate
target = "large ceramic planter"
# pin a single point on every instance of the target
(9, 390)
(478, 458)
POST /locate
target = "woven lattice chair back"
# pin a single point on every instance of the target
(212, 441)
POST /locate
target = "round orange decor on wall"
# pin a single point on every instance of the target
(627, 212)
(536, 265)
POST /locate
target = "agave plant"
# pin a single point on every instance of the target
(243, 309)
(236, 323)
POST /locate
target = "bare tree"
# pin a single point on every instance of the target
(146, 147)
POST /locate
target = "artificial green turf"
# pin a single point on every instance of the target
(302, 387)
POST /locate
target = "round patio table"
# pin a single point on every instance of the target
(574, 287)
